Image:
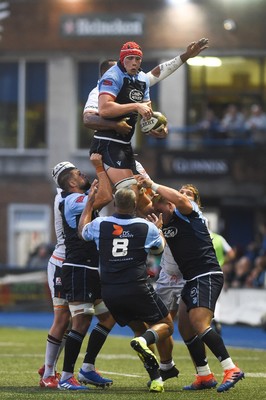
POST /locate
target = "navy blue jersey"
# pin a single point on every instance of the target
(125, 89)
(78, 252)
(123, 243)
(190, 243)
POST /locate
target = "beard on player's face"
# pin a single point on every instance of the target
(85, 184)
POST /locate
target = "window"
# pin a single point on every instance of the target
(23, 105)
(88, 75)
(8, 105)
(28, 226)
(238, 80)
(220, 99)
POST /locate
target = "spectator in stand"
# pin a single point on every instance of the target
(233, 121)
(40, 257)
(244, 265)
(225, 254)
(256, 123)
(209, 126)
(257, 276)
(249, 268)
(228, 271)
(242, 269)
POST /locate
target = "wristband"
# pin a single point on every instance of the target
(99, 169)
(154, 187)
(149, 192)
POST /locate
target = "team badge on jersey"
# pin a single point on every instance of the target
(194, 295)
(170, 232)
(136, 95)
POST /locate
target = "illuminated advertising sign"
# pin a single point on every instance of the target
(101, 25)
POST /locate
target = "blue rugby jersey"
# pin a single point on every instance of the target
(190, 243)
(78, 252)
(123, 243)
(125, 89)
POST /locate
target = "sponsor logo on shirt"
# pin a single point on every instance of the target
(135, 95)
(194, 295)
(106, 82)
(80, 199)
(170, 232)
(118, 231)
(58, 281)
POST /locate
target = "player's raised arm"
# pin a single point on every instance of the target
(165, 69)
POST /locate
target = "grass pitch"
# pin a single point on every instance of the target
(22, 353)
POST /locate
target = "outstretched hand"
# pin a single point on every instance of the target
(194, 48)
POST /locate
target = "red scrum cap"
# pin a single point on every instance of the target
(130, 49)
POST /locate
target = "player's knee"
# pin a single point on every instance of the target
(60, 304)
(84, 308)
(100, 308)
(170, 324)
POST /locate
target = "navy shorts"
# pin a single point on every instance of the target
(203, 291)
(134, 301)
(58, 286)
(81, 284)
(115, 155)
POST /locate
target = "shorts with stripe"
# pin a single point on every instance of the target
(203, 291)
(134, 301)
(54, 275)
(81, 284)
(115, 155)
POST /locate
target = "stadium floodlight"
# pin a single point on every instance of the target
(4, 14)
(205, 61)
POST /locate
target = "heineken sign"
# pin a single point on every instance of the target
(102, 25)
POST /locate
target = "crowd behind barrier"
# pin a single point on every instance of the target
(237, 127)
(248, 270)
(26, 290)
(242, 300)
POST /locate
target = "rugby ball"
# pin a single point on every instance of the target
(154, 123)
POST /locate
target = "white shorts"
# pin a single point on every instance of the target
(54, 273)
(169, 288)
